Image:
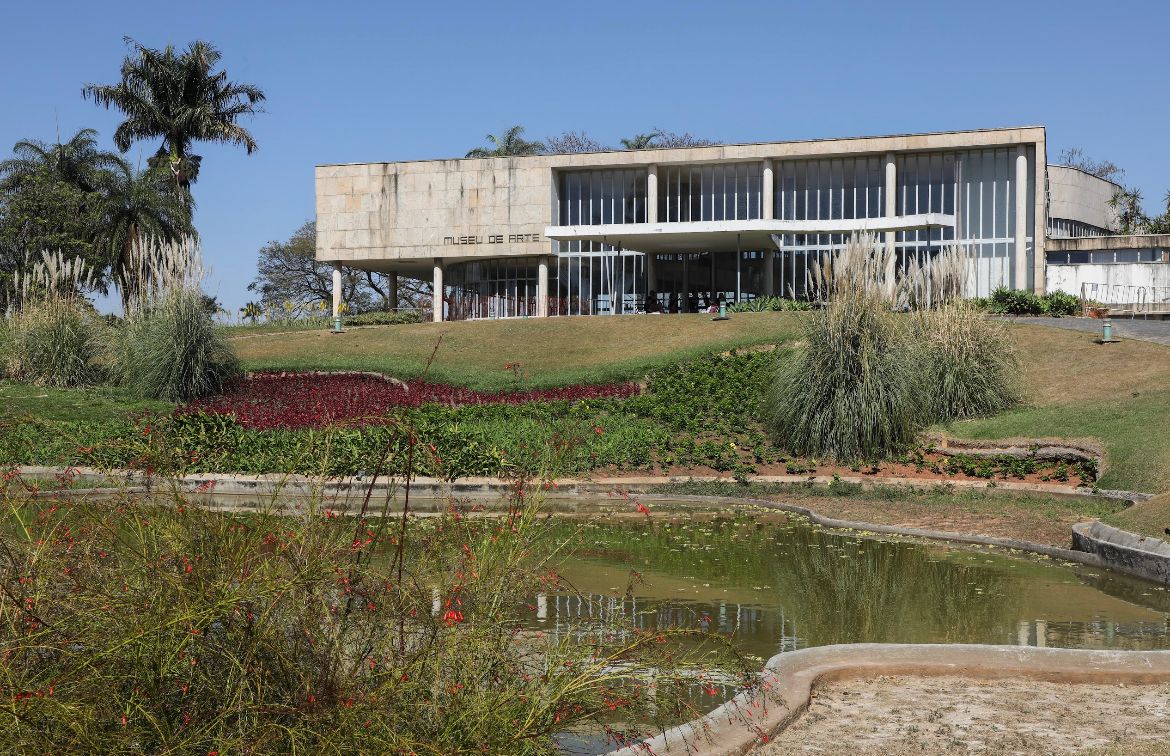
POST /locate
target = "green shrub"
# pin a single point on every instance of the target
(1007, 301)
(771, 304)
(384, 318)
(52, 341)
(1058, 304)
(969, 364)
(851, 392)
(173, 351)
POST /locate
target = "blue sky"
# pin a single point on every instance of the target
(350, 81)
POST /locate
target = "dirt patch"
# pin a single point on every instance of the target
(892, 716)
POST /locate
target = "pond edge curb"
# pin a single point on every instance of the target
(790, 678)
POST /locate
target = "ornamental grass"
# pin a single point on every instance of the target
(159, 623)
(970, 366)
(849, 393)
(52, 337)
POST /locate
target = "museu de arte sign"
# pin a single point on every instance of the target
(492, 239)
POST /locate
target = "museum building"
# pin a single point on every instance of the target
(674, 230)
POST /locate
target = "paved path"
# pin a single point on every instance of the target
(1157, 331)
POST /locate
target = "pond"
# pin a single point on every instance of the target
(780, 583)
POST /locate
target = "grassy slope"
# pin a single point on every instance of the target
(1149, 518)
(86, 405)
(552, 351)
(1118, 394)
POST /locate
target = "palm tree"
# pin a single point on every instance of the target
(642, 141)
(136, 205)
(251, 311)
(77, 162)
(180, 97)
(507, 144)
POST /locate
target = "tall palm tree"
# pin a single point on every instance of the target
(180, 97)
(642, 141)
(78, 162)
(507, 144)
(137, 205)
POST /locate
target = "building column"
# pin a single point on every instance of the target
(652, 193)
(542, 287)
(891, 210)
(769, 273)
(392, 290)
(768, 192)
(1021, 246)
(437, 296)
(651, 272)
(337, 296)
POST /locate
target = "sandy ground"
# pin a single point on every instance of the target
(893, 716)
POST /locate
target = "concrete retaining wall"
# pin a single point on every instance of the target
(1123, 551)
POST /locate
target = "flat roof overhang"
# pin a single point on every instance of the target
(727, 236)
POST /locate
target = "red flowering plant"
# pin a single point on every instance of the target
(158, 622)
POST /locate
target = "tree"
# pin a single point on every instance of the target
(47, 214)
(665, 140)
(642, 141)
(77, 162)
(252, 311)
(182, 98)
(289, 272)
(1132, 218)
(1075, 157)
(671, 139)
(507, 144)
(135, 205)
(571, 142)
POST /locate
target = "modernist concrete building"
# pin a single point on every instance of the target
(675, 229)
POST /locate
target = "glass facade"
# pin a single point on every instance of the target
(593, 198)
(588, 277)
(492, 288)
(726, 191)
(1109, 256)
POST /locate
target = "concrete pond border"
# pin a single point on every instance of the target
(225, 484)
(788, 680)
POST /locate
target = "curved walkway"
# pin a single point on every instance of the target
(1157, 331)
(789, 678)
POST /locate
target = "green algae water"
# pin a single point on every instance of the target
(779, 583)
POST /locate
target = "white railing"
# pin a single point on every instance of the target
(1126, 299)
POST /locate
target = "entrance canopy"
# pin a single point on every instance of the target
(727, 236)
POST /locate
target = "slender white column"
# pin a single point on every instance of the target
(768, 192)
(652, 194)
(392, 290)
(337, 296)
(769, 272)
(542, 288)
(1021, 246)
(891, 209)
(438, 293)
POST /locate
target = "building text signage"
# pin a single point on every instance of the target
(492, 239)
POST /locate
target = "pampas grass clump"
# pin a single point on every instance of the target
(970, 365)
(851, 392)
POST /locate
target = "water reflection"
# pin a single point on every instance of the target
(785, 585)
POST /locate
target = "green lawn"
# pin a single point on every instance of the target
(550, 352)
(1150, 518)
(78, 405)
(1118, 395)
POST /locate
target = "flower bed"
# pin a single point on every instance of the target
(305, 400)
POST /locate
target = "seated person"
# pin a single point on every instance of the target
(713, 308)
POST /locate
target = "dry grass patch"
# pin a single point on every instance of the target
(549, 351)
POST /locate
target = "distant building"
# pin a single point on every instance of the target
(674, 229)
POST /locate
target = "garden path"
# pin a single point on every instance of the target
(1157, 331)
